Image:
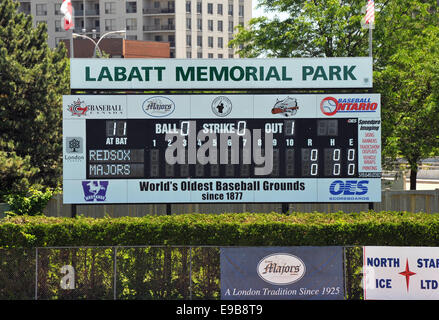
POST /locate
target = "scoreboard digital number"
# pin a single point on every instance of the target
(217, 148)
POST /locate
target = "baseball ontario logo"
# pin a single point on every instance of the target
(287, 107)
(95, 190)
(330, 105)
(221, 106)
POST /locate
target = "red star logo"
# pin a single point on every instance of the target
(407, 273)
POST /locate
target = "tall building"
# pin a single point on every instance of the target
(193, 28)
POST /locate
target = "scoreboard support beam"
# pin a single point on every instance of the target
(285, 207)
(73, 211)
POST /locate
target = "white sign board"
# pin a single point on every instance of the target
(124, 74)
(401, 273)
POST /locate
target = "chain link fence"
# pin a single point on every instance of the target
(124, 273)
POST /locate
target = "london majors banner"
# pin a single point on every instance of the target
(401, 273)
(282, 273)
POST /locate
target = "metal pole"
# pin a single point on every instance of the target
(73, 210)
(115, 273)
(71, 44)
(370, 40)
(190, 273)
(36, 273)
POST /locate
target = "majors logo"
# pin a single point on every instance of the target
(281, 269)
(95, 190)
(158, 107)
(330, 105)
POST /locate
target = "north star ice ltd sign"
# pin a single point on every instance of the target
(353, 72)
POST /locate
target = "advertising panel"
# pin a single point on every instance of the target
(401, 273)
(282, 273)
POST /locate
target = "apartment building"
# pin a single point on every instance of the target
(193, 28)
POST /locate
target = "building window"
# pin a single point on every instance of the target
(131, 24)
(110, 24)
(230, 9)
(188, 23)
(199, 55)
(188, 6)
(220, 9)
(200, 41)
(131, 37)
(189, 55)
(220, 42)
(210, 55)
(58, 26)
(210, 8)
(210, 25)
(41, 9)
(241, 10)
(220, 25)
(171, 40)
(230, 25)
(220, 55)
(199, 8)
(131, 7)
(110, 7)
(57, 7)
(199, 24)
(210, 42)
(188, 40)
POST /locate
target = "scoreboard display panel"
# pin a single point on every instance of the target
(222, 148)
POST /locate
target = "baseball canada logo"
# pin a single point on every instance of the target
(78, 108)
(330, 105)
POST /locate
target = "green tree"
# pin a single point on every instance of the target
(33, 78)
(304, 28)
(405, 51)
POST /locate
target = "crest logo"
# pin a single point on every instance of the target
(78, 108)
(221, 106)
(74, 145)
(288, 107)
(95, 190)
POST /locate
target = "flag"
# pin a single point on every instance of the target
(370, 13)
(67, 10)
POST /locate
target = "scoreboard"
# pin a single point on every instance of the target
(222, 148)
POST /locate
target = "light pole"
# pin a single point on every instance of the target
(96, 44)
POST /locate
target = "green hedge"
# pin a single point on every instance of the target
(243, 229)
